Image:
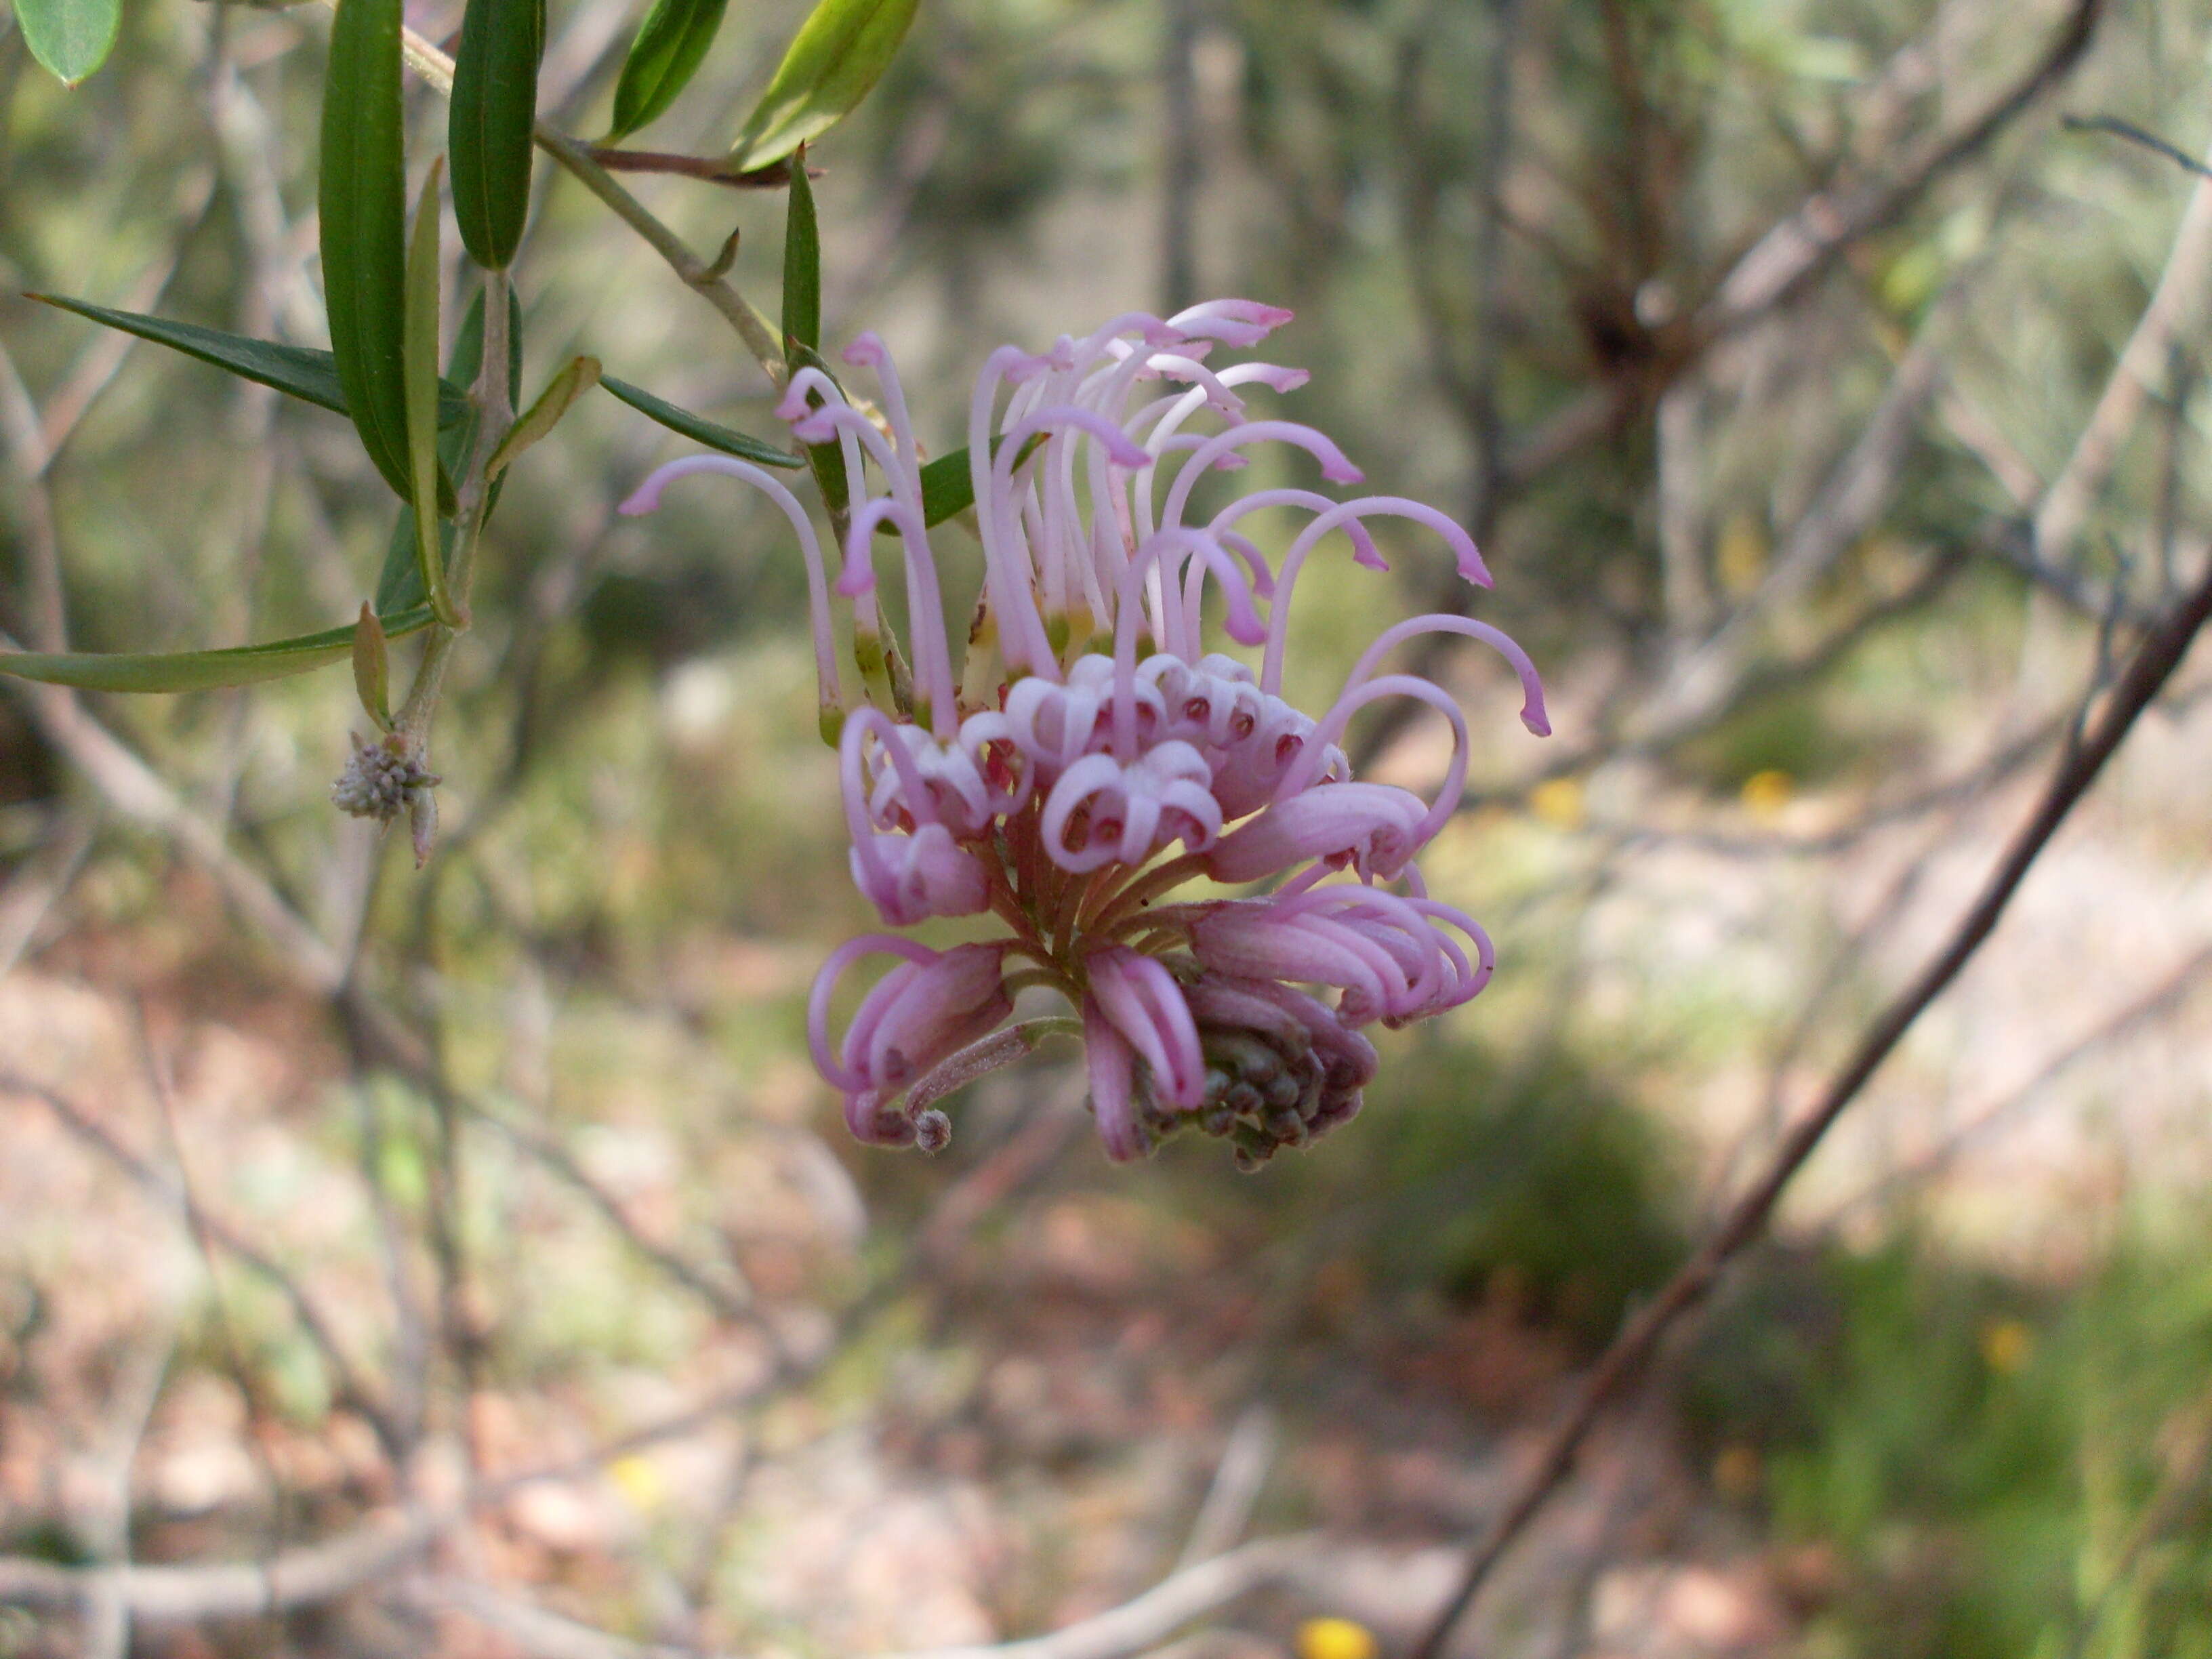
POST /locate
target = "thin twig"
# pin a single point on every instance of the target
(1809, 240)
(1235, 1488)
(2152, 665)
(2175, 305)
(1131, 1628)
(347, 1384)
(760, 338)
(2135, 134)
(2170, 993)
(34, 889)
(297, 1578)
(713, 170)
(140, 793)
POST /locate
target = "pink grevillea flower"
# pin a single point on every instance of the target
(1079, 750)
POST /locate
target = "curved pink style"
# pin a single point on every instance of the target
(1071, 750)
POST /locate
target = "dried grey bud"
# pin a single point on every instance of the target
(933, 1130)
(386, 778)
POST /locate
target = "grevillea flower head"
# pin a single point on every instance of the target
(1081, 750)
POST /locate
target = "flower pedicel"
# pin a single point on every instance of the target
(1068, 790)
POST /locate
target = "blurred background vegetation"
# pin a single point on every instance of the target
(1819, 559)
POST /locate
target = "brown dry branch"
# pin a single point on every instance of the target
(349, 1384)
(2175, 305)
(376, 1549)
(140, 793)
(1779, 266)
(2171, 992)
(1808, 241)
(2153, 664)
(1131, 1628)
(1805, 242)
(31, 894)
(1755, 681)
(292, 1578)
(382, 1040)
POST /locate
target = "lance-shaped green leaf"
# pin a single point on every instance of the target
(421, 383)
(665, 54)
(947, 487)
(71, 38)
(802, 263)
(838, 53)
(698, 429)
(298, 372)
(372, 668)
(582, 374)
(200, 670)
(364, 204)
(488, 127)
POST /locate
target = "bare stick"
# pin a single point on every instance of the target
(347, 1382)
(1130, 1628)
(140, 793)
(2153, 665)
(2134, 134)
(2168, 994)
(30, 895)
(1806, 241)
(296, 1578)
(2175, 306)
(1804, 244)
(138, 1387)
(1237, 1479)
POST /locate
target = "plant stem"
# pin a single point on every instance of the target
(494, 401)
(759, 336)
(752, 328)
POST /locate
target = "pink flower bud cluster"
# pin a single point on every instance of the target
(1089, 754)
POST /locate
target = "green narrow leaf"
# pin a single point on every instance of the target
(71, 38)
(200, 670)
(296, 371)
(372, 669)
(802, 263)
(541, 417)
(840, 51)
(420, 335)
(947, 487)
(487, 128)
(364, 203)
(663, 57)
(698, 428)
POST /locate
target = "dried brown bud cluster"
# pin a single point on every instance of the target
(386, 778)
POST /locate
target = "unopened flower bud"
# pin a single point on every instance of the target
(386, 778)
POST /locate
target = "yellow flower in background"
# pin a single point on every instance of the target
(1559, 802)
(1740, 560)
(639, 1481)
(1765, 793)
(2007, 1344)
(1335, 1639)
